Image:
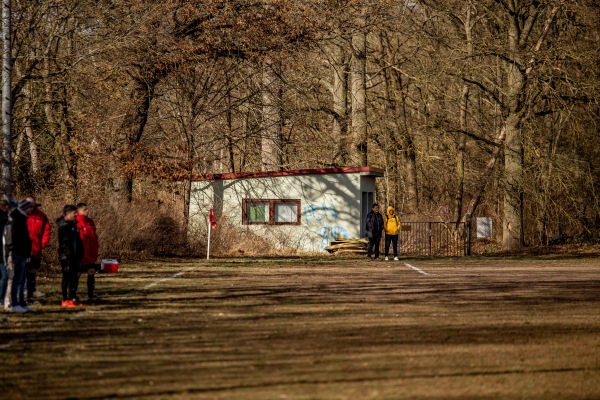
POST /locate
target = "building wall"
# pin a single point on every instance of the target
(330, 206)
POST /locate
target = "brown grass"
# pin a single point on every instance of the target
(316, 328)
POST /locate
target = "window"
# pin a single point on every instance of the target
(286, 213)
(258, 212)
(270, 212)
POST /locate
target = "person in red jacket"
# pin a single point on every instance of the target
(87, 232)
(39, 233)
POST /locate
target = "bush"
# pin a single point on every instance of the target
(128, 231)
(229, 240)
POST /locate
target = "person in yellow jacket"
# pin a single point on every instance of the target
(391, 225)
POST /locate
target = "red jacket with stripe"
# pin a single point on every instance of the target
(39, 232)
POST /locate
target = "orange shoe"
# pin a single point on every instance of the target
(67, 303)
(77, 303)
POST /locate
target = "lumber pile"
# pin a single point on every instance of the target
(348, 246)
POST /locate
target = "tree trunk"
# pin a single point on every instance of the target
(340, 102)
(358, 77)
(132, 130)
(230, 134)
(33, 148)
(460, 156)
(512, 219)
(512, 222)
(402, 141)
(462, 140)
(272, 94)
(409, 154)
(56, 113)
(7, 104)
(409, 159)
(71, 160)
(489, 168)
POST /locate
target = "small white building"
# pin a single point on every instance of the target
(300, 209)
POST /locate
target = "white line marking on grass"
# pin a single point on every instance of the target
(177, 275)
(416, 269)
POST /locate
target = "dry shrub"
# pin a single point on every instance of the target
(139, 229)
(126, 231)
(231, 240)
(235, 242)
(485, 246)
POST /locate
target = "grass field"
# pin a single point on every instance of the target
(315, 328)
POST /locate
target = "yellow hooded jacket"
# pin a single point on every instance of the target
(391, 223)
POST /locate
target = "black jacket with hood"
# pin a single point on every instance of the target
(374, 225)
(70, 246)
(21, 242)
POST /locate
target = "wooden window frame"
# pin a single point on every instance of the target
(272, 203)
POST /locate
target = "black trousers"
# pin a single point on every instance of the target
(91, 279)
(32, 270)
(374, 245)
(393, 239)
(70, 278)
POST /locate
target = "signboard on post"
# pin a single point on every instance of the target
(484, 227)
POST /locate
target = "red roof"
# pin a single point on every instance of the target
(269, 174)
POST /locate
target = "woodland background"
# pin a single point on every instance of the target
(486, 107)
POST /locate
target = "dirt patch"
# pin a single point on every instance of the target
(316, 328)
(557, 251)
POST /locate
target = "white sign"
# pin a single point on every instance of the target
(484, 227)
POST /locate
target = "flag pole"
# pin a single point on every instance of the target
(208, 246)
(212, 224)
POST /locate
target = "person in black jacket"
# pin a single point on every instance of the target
(17, 255)
(70, 252)
(373, 230)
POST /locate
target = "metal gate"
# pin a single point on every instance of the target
(434, 239)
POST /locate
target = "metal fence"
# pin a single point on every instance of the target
(434, 239)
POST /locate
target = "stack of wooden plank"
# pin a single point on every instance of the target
(348, 246)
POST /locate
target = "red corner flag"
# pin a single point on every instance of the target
(213, 220)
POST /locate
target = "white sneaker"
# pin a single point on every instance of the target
(386, 258)
(38, 294)
(29, 309)
(19, 309)
(395, 258)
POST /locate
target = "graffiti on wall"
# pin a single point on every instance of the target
(331, 233)
(317, 213)
(326, 215)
